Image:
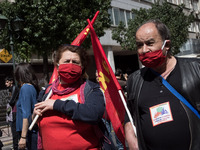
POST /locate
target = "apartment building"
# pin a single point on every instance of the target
(121, 11)
(128, 60)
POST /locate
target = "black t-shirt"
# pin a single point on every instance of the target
(164, 122)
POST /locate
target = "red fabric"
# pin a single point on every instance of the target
(110, 86)
(69, 72)
(54, 75)
(81, 37)
(39, 143)
(78, 41)
(152, 59)
(58, 131)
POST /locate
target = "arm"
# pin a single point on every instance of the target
(130, 137)
(91, 111)
(28, 99)
(14, 97)
(22, 141)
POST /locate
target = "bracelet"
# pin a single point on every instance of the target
(23, 137)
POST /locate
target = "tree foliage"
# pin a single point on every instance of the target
(49, 23)
(177, 22)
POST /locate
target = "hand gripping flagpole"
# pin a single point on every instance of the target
(78, 41)
(37, 116)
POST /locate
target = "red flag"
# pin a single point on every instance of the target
(81, 37)
(110, 86)
(78, 41)
(54, 75)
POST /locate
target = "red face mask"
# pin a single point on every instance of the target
(69, 73)
(153, 59)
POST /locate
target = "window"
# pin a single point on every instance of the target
(198, 27)
(111, 15)
(116, 16)
(194, 5)
(120, 15)
(177, 2)
(187, 3)
(152, 1)
(128, 15)
(192, 27)
(170, 1)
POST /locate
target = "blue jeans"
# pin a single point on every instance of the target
(32, 140)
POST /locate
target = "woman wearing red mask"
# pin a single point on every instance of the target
(69, 118)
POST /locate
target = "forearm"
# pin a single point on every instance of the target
(91, 111)
(24, 127)
(87, 112)
(130, 137)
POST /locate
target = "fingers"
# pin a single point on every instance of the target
(37, 112)
(44, 106)
(22, 144)
(45, 109)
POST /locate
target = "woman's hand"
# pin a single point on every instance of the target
(36, 112)
(43, 106)
(22, 143)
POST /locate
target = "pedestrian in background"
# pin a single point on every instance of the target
(11, 109)
(29, 90)
(162, 119)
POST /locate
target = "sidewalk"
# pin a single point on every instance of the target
(6, 137)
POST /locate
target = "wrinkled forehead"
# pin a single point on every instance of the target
(147, 31)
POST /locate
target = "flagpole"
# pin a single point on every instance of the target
(75, 42)
(127, 110)
(37, 116)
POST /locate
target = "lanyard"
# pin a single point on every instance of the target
(178, 95)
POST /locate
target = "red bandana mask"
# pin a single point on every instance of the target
(69, 73)
(153, 59)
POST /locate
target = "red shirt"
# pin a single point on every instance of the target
(59, 131)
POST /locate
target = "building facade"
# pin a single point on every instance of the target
(121, 11)
(125, 59)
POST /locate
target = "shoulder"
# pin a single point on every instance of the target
(91, 84)
(137, 74)
(28, 87)
(189, 63)
(188, 60)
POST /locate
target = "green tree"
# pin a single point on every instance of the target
(49, 23)
(177, 22)
(7, 10)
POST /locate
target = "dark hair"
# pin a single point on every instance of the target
(118, 72)
(9, 78)
(24, 73)
(163, 30)
(75, 49)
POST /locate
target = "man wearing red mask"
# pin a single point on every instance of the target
(162, 120)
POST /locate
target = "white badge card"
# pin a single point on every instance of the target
(161, 113)
(72, 97)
